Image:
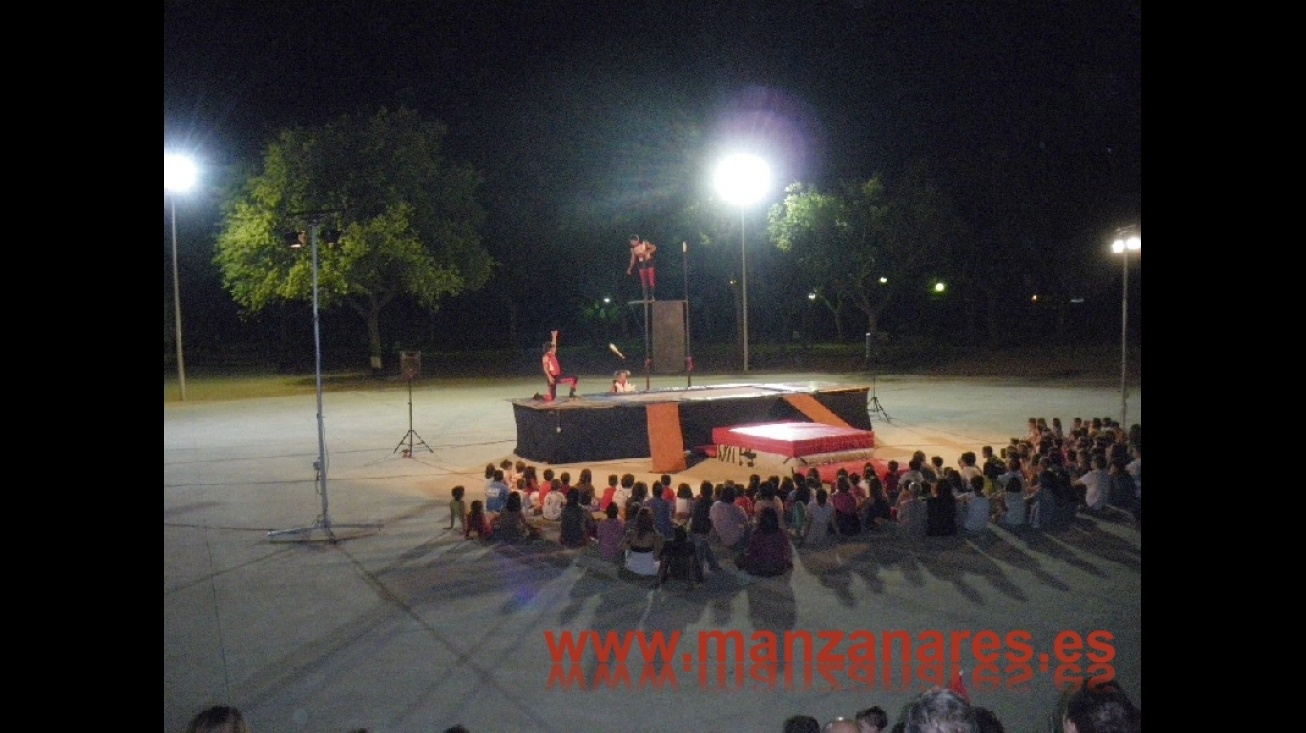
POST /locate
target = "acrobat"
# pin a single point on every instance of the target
(641, 256)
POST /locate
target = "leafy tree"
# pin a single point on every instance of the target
(862, 244)
(409, 220)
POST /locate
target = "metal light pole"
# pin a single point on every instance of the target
(743, 266)
(179, 174)
(743, 179)
(1128, 239)
(323, 521)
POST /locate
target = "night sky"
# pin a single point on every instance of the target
(590, 120)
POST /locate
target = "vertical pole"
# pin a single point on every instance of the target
(743, 259)
(1124, 340)
(321, 427)
(689, 353)
(648, 358)
(176, 300)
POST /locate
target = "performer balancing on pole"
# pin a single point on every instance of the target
(553, 371)
(641, 256)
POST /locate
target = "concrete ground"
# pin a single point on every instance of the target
(408, 627)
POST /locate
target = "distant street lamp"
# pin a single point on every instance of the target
(1127, 240)
(179, 174)
(743, 179)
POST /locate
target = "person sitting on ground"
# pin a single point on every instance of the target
(638, 500)
(1100, 708)
(642, 545)
(218, 719)
(766, 497)
(496, 494)
(892, 482)
(679, 559)
(820, 521)
(941, 512)
(1124, 491)
(799, 512)
(744, 496)
(729, 521)
(541, 496)
(489, 479)
(700, 527)
(977, 506)
(801, 724)
(1095, 484)
(611, 532)
(935, 468)
(457, 508)
(877, 511)
(769, 551)
(684, 503)
(577, 522)
(939, 711)
(663, 512)
(586, 488)
(609, 493)
(478, 523)
(912, 512)
(846, 519)
(873, 720)
(626, 495)
(554, 501)
(511, 525)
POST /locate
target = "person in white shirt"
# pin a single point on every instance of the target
(977, 506)
(1096, 483)
(621, 382)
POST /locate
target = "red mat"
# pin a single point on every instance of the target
(794, 439)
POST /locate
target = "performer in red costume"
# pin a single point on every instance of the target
(553, 371)
(641, 256)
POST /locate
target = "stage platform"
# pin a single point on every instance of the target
(664, 424)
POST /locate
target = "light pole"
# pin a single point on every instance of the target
(1127, 240)
(297, 240)
(179, 174)
(743, 179)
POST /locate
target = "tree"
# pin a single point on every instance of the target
(409, 220)
(862, 244)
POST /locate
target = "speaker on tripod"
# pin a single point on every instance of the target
(410, 365)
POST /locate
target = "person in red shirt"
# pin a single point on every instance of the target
(553, 370)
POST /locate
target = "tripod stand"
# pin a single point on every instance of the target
(873, 407)
(411, 434)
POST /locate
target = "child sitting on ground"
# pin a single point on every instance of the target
(477, 523)
(458, 509)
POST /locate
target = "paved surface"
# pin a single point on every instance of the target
(410, 628)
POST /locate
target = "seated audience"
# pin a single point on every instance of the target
(873, 720)
(769, 552)
(802, 724)
(679, 559)
(819, 531)
(611, 532)
(977, 506)
(1099, 709)
(478, 523)
(941, 512)
(729, 521)
(939, 711)
(510, 525)
(642, 545)
(577, 522)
